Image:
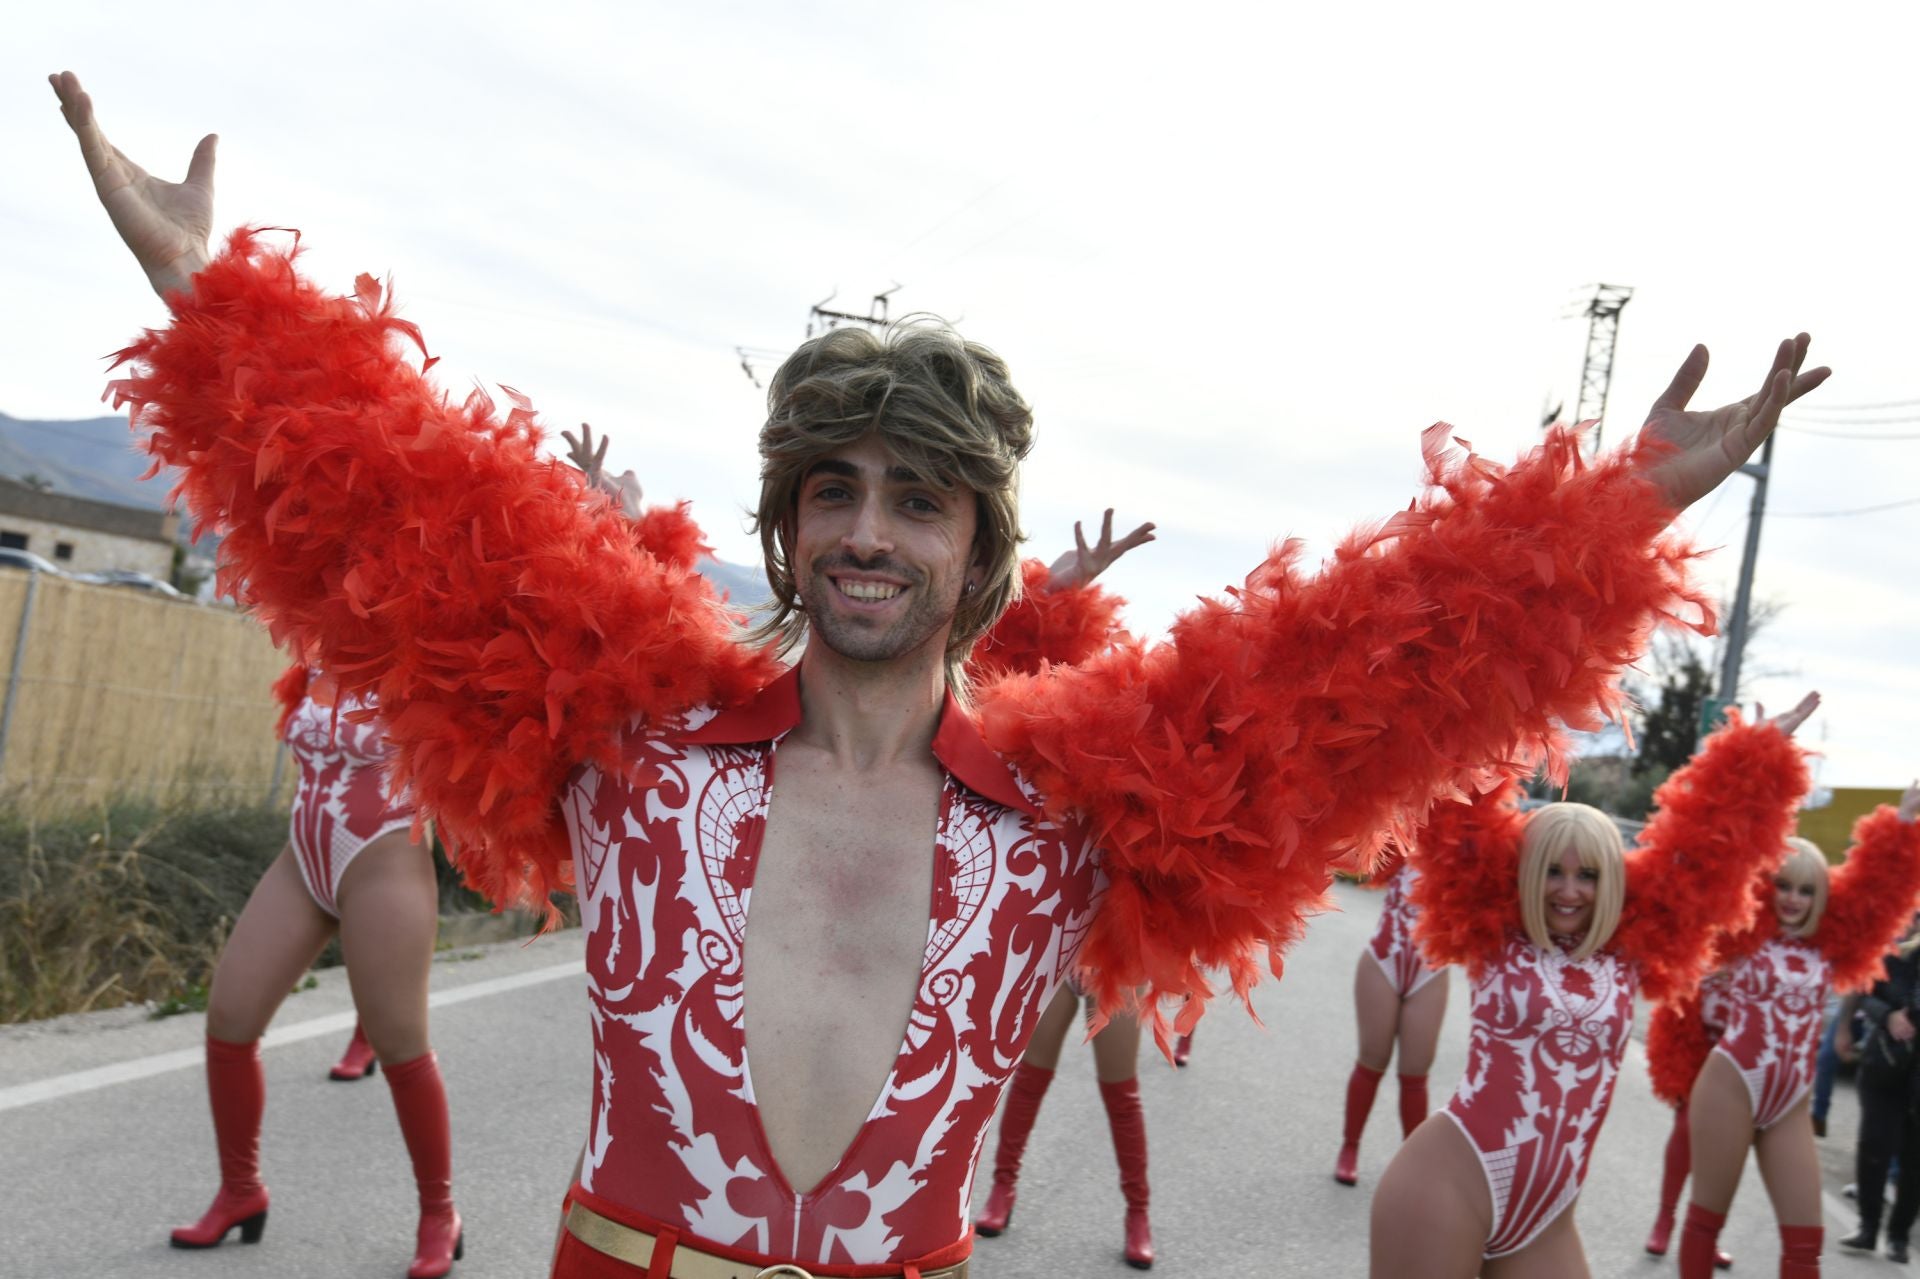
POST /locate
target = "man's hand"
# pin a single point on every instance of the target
(1792, 719)
(1082, 564)
(624, 488)
(1843, 1047)
(167, 225)
(1695, 451)
(1910, 806)
(1900, 1025)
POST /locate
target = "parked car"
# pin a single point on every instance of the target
(129, 578)
(11, 557)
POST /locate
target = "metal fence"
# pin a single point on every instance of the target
(114, 692)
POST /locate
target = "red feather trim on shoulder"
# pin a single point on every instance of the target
(1468, 893)
(1046, 628)
(1288, 729)
(1722, 821)
(1870, 898)
(670, 535)
(289, 690)
(423, 553)
(1678, 1042)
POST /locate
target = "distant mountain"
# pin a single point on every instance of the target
(96, 457)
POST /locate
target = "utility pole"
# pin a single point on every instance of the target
(875, 318)
(1596, 373)
(1743, 595)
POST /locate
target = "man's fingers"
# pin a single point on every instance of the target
(200, 168)
(1686, 380)
(1804, 382)
(600, 454)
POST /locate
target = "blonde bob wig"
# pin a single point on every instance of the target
(1805, 864)
(1590, 833)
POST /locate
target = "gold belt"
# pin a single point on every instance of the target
(635, 1247)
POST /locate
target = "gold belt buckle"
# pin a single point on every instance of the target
(784, 1270)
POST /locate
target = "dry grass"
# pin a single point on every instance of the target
(130, 906)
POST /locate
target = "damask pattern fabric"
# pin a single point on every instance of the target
(344, 800)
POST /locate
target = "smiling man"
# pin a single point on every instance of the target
(885, 923)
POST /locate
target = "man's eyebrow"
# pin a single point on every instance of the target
(847, 470)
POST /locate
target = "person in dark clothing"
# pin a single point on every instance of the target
(1890, 1102)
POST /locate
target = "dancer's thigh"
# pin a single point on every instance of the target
(1432, 1214)
(1116, 1050)
(1056, 1023)
(1720, 1126)
(1790, 1167)
(1420, 1020)
(1376, 1004)
(389, 912)
(278, 936)
(1555, 1253)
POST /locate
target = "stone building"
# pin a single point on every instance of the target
(84, 536)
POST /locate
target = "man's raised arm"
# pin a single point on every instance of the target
(419, 551)
(1282, 732)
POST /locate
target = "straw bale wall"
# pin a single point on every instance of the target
(123, 692)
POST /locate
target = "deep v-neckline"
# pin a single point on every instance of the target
(903, 1043)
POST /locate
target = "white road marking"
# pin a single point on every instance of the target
(125, 1072)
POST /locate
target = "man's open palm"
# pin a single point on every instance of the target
(167, 224)
(1697, 450)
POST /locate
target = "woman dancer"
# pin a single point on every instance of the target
(352, 866)
(1814, 927)
(1396, 1001)
(1116, 1053)
(1487, 1185)
(1680, 1034)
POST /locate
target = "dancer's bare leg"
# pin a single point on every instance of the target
(1376, 1005)
(1555, 1253)
(1050, 1035)
(1790, 1167)
(1421, 1016)
(1116, 1049)
(276, 939)
(1432, 1214)
(1720, 1119)
(389, 912)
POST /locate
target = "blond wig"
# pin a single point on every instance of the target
(944, 406)
(1806, 864)
(1551, 831)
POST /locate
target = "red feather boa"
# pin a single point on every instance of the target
(424, 553)
(1722, 820)
(1046, 628)
(1468, 854)
(1290, 728)
(1870, 897)
(1678, 1042)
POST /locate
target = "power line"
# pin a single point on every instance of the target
(1858, 510)
(1867, 408)
(1852, 435)
(1826, 420)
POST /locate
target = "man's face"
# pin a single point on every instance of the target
(880, 555)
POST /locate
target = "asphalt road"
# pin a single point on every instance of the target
(105, 1142)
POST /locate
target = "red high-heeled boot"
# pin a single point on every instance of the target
(358, 1061)
(1016, 1123)
(1413, 1103)
(420, 1101)
(1362, 1084)
(1183, 1049)
(1673, 1176)
(1129, 1124)
(237, 1093)
(1800, 1251)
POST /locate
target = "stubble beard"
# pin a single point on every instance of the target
(861, 641)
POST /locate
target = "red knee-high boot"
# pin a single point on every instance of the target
(1023, 1104)
(1362, 1084)
(237, 1091)
(1413, 1104)
(420, 1101)
(1697, 1240)
(1800, 1251)
(358, 1061)
(1678, 1163)
(1129, 1123)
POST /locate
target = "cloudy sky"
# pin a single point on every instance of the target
(1238, 258)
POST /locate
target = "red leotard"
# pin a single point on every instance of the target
(1772, 1004)
(343, 801)
(1393, 946)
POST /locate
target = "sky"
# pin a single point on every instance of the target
(1238, 257)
